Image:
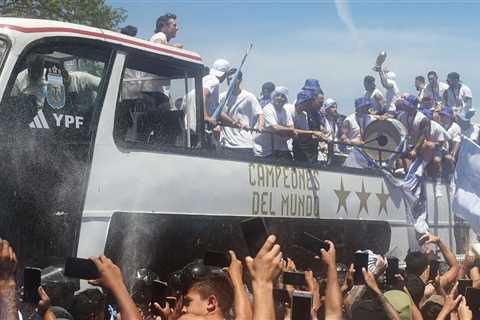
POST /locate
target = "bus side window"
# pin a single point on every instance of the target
(151, 110)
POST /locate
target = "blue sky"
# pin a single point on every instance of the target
(295, 40)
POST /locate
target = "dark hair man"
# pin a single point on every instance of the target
(166, 29)
(129, 31)
(373, 93)
(266, 95)
(420, 86)
(89, 305)
(458, 96)
(435, 89)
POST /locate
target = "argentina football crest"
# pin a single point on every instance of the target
(55, 88)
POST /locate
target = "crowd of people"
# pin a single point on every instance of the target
(256, 288)
(307, 128)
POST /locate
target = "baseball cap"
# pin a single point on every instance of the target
(280, 90)
(362, 103)
(312, 85)
(220, 67)
(305, 96)
(446, 112)
(329, 103)
(400, 302)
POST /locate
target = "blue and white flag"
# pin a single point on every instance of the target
(412, 187)
(466, 202)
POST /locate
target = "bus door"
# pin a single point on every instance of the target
(48, 120)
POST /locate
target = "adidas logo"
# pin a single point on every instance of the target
(39, 121)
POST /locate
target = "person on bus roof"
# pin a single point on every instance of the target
(278, 128)
(166, 29)
(458, 95)
(373, 93)
(266, 95)
(355, 124)
(242, 112)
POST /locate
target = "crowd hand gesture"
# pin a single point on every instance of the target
(329, 257)
(451, 303)
(348, 281)
(267, 264)
(371, 282)
(8, 264)
(43, 307)
(235, 270)
(464, 312)
(165, 313)
(110, 275)
(430, 238)
(314, 288)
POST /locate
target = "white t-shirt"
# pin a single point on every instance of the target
(456, 98)
(246, 108)
(159, 37)
(455, 132)
(357, 125)
(377, 107)
(472, 132)
(190, 108)
(212, 84)
(438, 134)
(436, 94)
(263, 145)
(391, 95)
(413, 124)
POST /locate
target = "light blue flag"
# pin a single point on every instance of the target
(466, 202)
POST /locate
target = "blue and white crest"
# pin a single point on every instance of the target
(55, 89)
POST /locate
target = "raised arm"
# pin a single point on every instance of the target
(387, 307)
(241, 304)
(8, 285)
(333, 295)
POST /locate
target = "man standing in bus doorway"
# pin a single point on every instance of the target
(374, 94)
(458, 95)
(272, 142)
(166, 29)
(435, 89)
(241, 113)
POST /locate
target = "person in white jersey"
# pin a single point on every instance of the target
(418, 131)
(420, 87)
(453, 146)
(374, 94)
(273, 141)
(355, 124)
(242, 112)
(458, 95)
(388, 82)
(469, 129)
(166, 29)
(435, 89)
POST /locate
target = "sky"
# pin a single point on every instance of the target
(334, 41)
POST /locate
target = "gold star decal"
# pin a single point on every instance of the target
(342, 196)
(363, 196)
(383, 198)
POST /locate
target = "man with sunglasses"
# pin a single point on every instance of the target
(458, 95)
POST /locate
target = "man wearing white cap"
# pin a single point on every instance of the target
(273, 142)
(388, 81)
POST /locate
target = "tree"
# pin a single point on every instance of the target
(95, 13)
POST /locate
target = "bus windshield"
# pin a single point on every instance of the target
(3, 49)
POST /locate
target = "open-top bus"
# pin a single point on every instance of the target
(94, 160)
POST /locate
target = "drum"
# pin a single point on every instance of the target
(385, 135)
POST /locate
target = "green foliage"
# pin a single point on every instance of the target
(95, 13)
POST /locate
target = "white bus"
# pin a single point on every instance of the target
(96, 159)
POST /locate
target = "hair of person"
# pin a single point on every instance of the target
(430, 310)
(268, 86)
(415, 287)
(369, 79)
(35, 60)
(218, 286)
(453, 75)
(129, 30)
(420, 78)
(86, 303)
(240, 75)
(417, 263)
(432, 73)
(163, 21)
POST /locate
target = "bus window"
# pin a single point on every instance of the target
(153, 109)
(48, 116)
(3, 50)
(165, 243)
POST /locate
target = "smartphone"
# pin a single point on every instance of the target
(472, 296)
(254, 233)
(301, 305)
(463, 284)
(312, 243)
(31, 282)
(216, 259)
(281, 295)
(159, 291)
(360, 261)
(392, 270)
(81, 268)
(434, 265)
(294, 278)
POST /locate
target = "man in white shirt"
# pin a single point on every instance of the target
(435, 89)
(420, 87)
(266, 94)
(455, 132)
(469, 129)
(166, 29)
(272, 142)
(373, 93)
(242, 112)
(458, 96)
(355, 124)
(388, 81)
